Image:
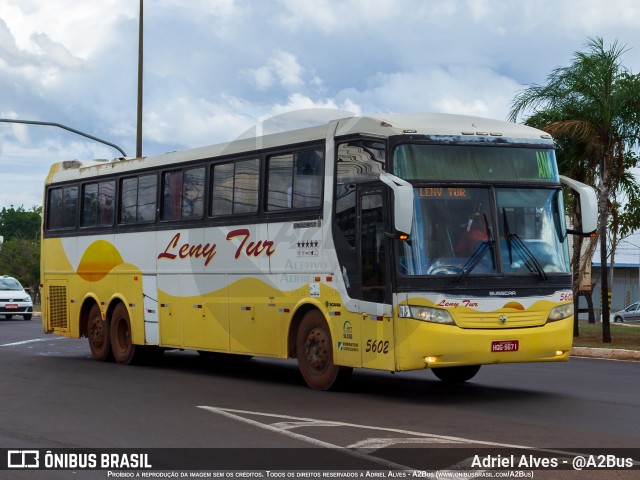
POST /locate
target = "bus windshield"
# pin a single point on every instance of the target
(454, 232)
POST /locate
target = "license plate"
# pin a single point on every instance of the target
(505, 346)
(11, 306)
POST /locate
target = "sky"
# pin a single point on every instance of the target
(217, 69)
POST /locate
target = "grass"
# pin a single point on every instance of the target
(622, 336)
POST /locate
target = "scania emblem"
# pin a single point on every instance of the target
(503, 319)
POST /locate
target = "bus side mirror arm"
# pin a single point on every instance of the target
(588, 206)
(402, 201)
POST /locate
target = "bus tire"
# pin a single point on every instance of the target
(314, 351)
(124, 351)
(456, 374)
(98, 335)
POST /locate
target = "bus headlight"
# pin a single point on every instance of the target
(425, 314)
(560, 312)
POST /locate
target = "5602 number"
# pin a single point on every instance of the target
(377, 346)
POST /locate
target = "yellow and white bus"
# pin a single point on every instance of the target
(394, 242)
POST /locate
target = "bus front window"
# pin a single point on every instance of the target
(452, 233)
(531, 231)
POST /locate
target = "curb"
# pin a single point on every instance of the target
(606, 353)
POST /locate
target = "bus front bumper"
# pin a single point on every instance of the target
(428, 345)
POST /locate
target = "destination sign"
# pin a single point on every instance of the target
(442, 192)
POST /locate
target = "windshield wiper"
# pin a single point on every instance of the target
(515, 242)
(507, 234)
(524, 251)
(478, 254)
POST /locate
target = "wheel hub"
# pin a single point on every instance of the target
(317, 352)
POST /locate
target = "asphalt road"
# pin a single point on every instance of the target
(53, 396)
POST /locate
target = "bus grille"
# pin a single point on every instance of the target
(58, 315)
(501, 319)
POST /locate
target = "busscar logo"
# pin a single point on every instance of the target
(23, 459)
(503, 293)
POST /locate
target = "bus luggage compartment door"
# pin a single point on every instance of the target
(150, 303)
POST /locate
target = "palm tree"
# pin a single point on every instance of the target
(574, 162)
(595, 104)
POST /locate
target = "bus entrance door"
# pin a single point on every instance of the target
(375, 305)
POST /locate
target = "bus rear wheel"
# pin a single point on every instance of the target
(314, 351)
(124, 351)
(98, 335)
(456, 374)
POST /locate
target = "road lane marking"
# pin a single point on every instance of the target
(296, 422)
(24, 342)
(230, 413)
(373, 444)
(299, 422)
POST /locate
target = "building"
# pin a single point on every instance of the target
(625, 288)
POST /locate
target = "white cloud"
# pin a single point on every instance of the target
(25, 163)
(456, 89)
(55, 53)
(82, 27)
(216, 68)
(195, 122)
(330, 16)
(282, 69)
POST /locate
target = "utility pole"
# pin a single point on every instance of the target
(139, 121)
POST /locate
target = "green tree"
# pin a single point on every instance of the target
(20, 258)
(595, 105)
(20, 223)
(20, 252)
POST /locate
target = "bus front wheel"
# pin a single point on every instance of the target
(456, 374)
(314, 351)
(124, 351)
(98, 335)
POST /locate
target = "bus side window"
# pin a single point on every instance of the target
(295, 180)
(280, 182)
(138, 199)
(146, 203)
(222, 189)
(193, 193)
(172, 195)
(307, 180)
(234, 187)
(97, 204)
(245, 186)
(62, 209)
(183, 194)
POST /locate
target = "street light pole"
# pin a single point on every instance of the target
(64, 127)
(139, 121)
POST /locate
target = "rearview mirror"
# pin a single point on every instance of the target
(588, 205)
(402, 201)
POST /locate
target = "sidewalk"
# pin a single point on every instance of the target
(608, 353)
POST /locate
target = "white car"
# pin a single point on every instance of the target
(13, 299)
(629, 314)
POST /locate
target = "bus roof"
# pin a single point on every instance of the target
(382, 125)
